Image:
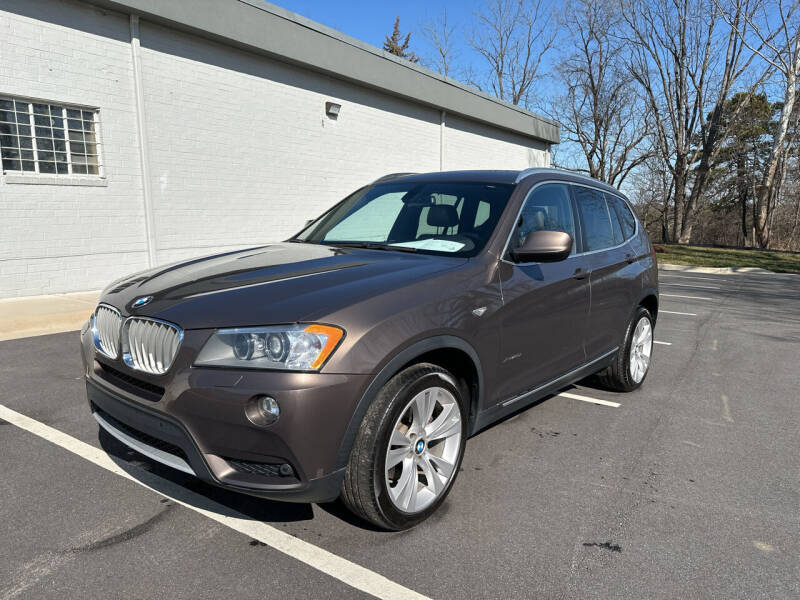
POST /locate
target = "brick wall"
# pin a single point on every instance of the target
(57, 238)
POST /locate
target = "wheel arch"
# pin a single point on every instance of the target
(650, 302)
(449, 352)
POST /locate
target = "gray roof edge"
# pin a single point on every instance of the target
(286, 36)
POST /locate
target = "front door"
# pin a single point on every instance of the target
(545, 305)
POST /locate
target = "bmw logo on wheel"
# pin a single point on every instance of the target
(140, 302)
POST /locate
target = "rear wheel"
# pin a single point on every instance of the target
(408, 450)
(632, 362)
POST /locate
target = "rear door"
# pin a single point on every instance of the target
(609, 262)
(545, 305)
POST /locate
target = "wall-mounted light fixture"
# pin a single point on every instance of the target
(332, 109)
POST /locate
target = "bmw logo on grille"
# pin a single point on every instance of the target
(143, 301)
(419, 447)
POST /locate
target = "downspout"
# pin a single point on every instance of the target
(144, 163)
(442, 117)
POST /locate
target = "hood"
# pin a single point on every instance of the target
(275, 284)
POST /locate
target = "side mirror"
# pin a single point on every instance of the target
(543, 246)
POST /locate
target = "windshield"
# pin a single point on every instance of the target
(434, 217)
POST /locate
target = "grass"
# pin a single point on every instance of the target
(779, 262)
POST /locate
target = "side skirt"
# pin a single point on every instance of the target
(515, 403)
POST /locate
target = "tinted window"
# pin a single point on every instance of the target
(624, 214)
(546, 209)
(482, 213)
(616, 228)
(597, 231)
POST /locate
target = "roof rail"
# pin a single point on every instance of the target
(533, 171)
(391, 176)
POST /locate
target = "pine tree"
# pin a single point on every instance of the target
(397, 45)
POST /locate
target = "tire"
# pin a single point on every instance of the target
(407, 493)
(622, 375)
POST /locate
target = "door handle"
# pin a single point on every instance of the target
(580, 274)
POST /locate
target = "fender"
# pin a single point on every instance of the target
(403, 357)
(651, 291)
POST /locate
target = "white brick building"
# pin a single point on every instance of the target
(139, 132)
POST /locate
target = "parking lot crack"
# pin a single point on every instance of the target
(604, 546)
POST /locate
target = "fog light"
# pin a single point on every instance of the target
(262, 410)
(269, 409)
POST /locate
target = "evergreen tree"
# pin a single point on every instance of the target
(739, 162)
(398, 45)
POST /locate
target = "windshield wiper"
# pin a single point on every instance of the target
(374, 246)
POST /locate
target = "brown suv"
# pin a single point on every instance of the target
(356, 358)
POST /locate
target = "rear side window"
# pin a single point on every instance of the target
(626, 219)
(424, 228)
(483, 213)
(597, 230)
(546, 209)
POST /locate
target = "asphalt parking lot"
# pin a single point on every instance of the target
(690, 487)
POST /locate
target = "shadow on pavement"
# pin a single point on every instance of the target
(192, 491)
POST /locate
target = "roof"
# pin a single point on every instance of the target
(264, 28)
(474, 176)
(498, 176)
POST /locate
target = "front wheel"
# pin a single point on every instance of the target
(408, 450)
(632, 363)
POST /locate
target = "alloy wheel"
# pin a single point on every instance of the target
(423, 450)
(641, 349)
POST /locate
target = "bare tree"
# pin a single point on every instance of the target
(513, 36)
(441, 36)
(600, 110)
(780, 48)
(686, 62)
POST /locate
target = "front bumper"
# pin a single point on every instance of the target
(193, 419)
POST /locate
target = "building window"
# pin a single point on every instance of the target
(52, 139)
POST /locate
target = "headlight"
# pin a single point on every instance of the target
(290, 347)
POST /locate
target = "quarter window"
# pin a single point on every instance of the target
(597, 230)
(53, 139)
(546, 209)
(615, 226)
(626, 219)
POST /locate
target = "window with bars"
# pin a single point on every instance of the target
(54, 139)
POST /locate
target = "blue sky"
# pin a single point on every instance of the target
(372, 21)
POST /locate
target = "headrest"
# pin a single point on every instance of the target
(442, 215)
(538, 219)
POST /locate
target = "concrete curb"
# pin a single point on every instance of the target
(42, 315)
(722, 270)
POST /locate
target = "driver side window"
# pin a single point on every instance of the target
(548, 208)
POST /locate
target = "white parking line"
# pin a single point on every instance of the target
(704, 287)
(689, 297)
(662, 343)
(587, 399)
(660, 275)
(672, 312)
(337, 567)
